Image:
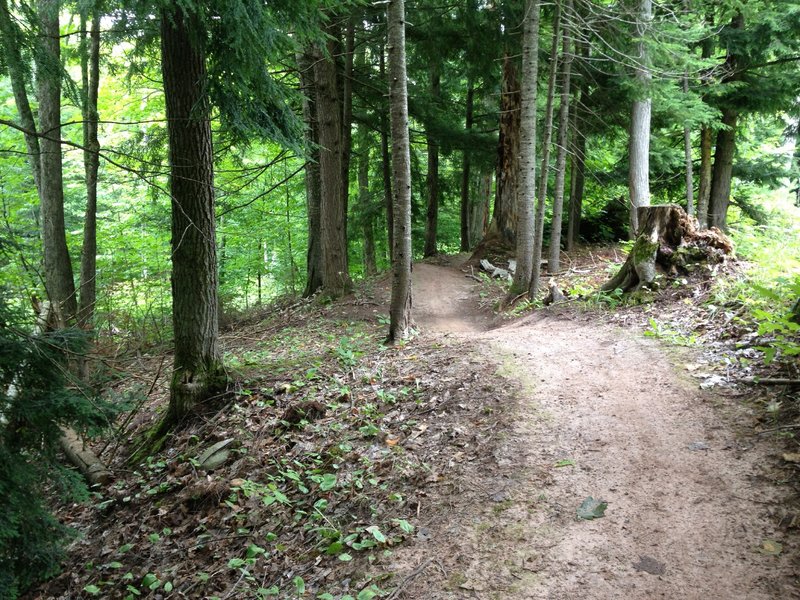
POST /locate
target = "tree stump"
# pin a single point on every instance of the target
(667, 242)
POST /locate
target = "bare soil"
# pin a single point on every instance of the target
(698, 506)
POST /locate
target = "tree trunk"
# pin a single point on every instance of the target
(368, 228)
(90, 69)
(527, 149)
(198, 372)
(479, 208)
(400, 312)
(386, 165)
(432, 182)
(466, 167)
(335, 275)
(347, 119)
(704, 186)
(553, 264)
(687, 154)
(719, 197)
(57, 266)
(704, 192)
(720, 194)
(541, 194)
(577, 175)
(305, 63)
(639, 140)
(504, 216)
(667, 241)
(11, 43)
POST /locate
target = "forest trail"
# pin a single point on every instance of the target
(602, 412)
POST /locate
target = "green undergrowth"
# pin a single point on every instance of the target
(323, 454)
(764, 294)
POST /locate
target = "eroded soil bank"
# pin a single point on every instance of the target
(697, 507)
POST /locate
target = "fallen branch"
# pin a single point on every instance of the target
(770, 381)
(408, 579)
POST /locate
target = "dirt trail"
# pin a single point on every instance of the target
(689, 499)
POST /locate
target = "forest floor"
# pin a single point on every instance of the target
(453, 466)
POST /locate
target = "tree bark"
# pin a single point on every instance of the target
(527, 149)
(432, 180)
(347, 119)
(553, 264)
(335, 275)
(504, 216)
(687, 157)
(541, 195)
(704, 191)
(577, 175)
(400, 311)
(305, 63)
(704, 186)
(639, 139)
(479, 208)
(466, 167)
(198, 372)
(57, 265)
(719, 196)
(90, 68)
(386, 166)
(368, 227)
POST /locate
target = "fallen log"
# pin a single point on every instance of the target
(48, 317)
(667, 242)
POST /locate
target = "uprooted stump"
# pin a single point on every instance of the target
(667, 242)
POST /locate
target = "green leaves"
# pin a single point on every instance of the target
(592, 509)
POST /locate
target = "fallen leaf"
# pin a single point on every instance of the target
(592, 509)
(567, 462)
(770, 548)
(792, 457)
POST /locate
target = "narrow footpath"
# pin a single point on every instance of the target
(694, 505)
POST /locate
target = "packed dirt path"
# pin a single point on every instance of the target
(693, 504)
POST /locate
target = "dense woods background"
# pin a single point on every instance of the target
(164, 166)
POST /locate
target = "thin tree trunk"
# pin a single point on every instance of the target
(465, 171)
(577, 175)
(706, 165)
(368, 228)
(479, 208)
(704, 187)
(541, 194)
(305, 63)
(335, 275)
(386, 164)
(400, 312)
(90, 68)
(432, 180)
(198, 370)
(347, 119)
(57, 266)
(553, 264)
(639, 139)
(11, 43)
(527, 148)
(687, 153)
